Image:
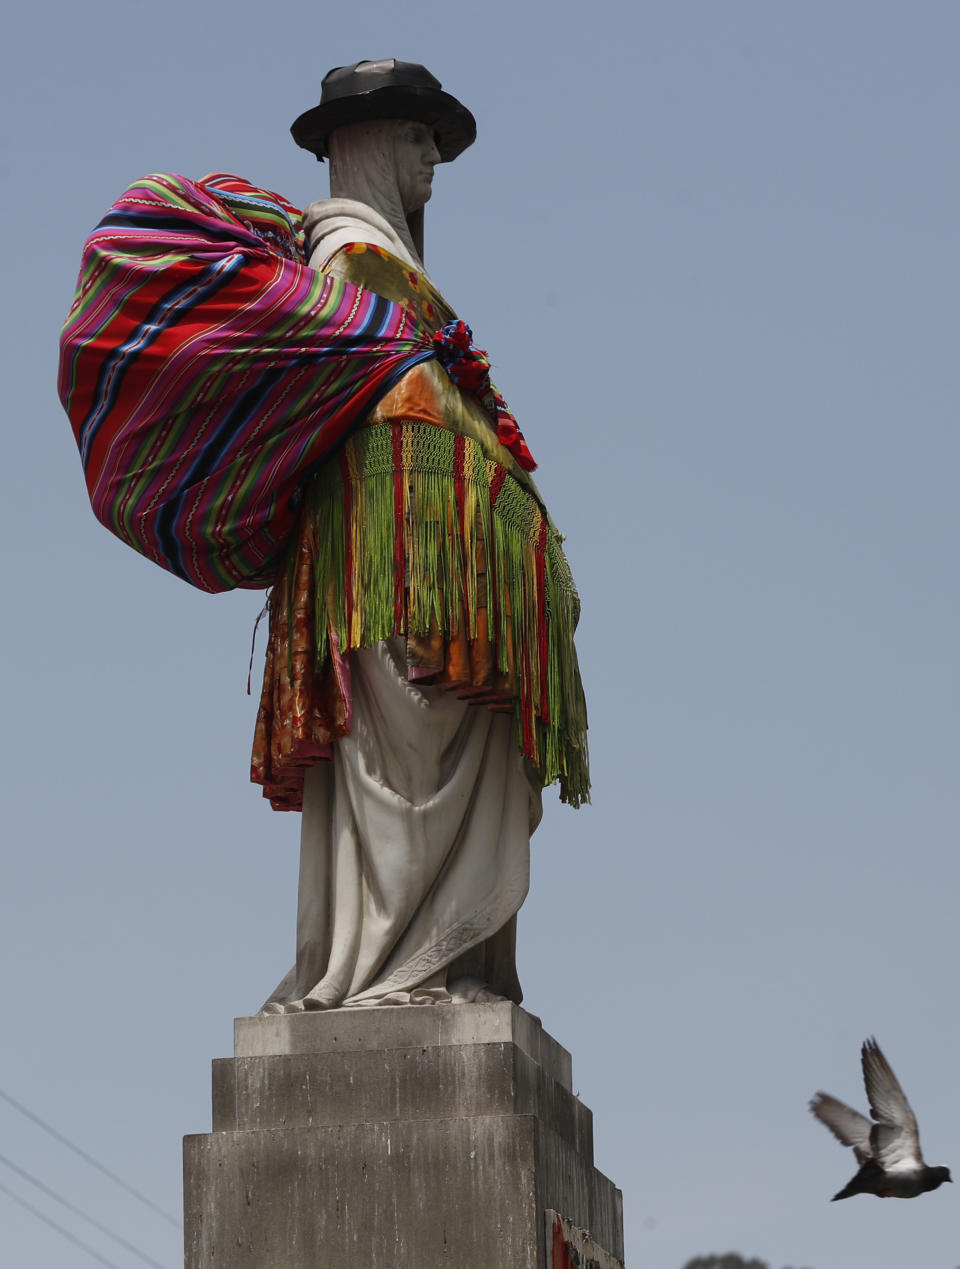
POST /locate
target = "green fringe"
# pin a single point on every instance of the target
(440, 579)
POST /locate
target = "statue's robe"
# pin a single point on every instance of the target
(424, 569)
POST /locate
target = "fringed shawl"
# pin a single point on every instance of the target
(401, 519)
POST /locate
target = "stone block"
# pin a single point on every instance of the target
(403, 1027)
(401, 1138)
(369, 1086)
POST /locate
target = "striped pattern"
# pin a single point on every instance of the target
(206, 370)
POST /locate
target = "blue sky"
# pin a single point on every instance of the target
(712, 250)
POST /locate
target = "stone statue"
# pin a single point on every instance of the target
(415, 838)
(253, 408)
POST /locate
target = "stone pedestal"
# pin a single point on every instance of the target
(398, 1138)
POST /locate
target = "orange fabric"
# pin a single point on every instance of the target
(303, 708)
(414, 397)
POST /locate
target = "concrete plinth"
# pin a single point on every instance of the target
(398, 1138)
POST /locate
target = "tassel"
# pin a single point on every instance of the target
(400, 519)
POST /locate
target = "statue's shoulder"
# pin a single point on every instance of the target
(374, 267)
(353, 241)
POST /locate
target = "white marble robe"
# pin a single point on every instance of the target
(415, 846)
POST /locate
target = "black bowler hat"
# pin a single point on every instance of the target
(386, 89)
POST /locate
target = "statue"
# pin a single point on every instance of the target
(329, 427)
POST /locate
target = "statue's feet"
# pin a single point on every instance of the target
(463, 991)
(473, 991)
(318, 998)
(313, 1001)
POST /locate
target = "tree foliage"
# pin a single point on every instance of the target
(730, 1261)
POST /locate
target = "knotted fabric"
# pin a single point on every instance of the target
(469, 368)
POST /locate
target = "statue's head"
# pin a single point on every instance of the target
(384, 126)
(385, 89)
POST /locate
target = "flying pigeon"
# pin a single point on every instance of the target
(888, 1151)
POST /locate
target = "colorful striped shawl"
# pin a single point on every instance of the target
(206, 370)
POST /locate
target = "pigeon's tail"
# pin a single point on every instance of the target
(868, 1180)
(848, 1191)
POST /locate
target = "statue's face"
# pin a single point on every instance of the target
(416, 155)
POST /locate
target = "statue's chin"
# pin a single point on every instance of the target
(417, 199)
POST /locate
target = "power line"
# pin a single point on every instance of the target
(79, 1212)
(59, 1228)
(88, 1158)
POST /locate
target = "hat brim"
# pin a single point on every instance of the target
(454, 126)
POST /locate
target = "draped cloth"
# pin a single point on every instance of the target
(244, 419)
(206, 369)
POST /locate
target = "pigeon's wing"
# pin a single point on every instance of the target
(846, 1124)
(894, 1137)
